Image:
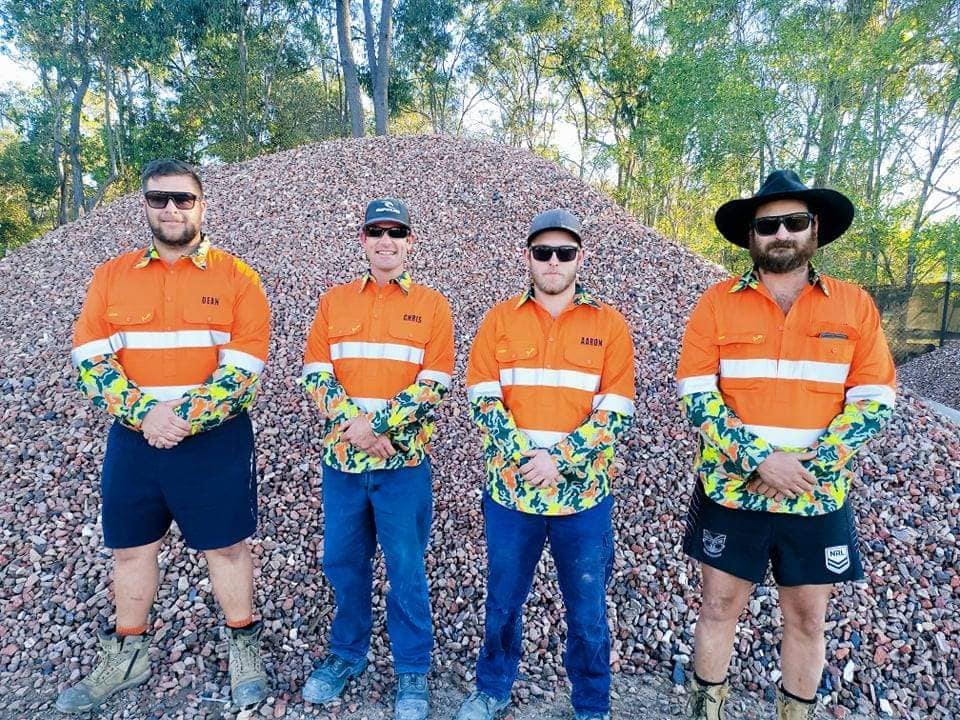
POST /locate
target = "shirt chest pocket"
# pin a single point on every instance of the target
(122, 316)
(409, 332)
(219, 316)
(831, 342)
(743, 361)
(514, 351)
(586, 358)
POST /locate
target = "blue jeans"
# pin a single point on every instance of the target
(393, 507)
(582, 547)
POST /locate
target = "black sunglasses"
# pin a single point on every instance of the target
(376, 231)
(565, 253)
(794, 222)
(158, 199)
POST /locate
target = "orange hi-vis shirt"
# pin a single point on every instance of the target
(552, 375)
(376, 342)
(171, 326)
(787, 376)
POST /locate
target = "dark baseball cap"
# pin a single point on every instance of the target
(556, 219)
(386, 209)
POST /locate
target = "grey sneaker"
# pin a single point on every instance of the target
(413, 698)
(480, 706)
(326, 683)
(123, 664)
(591, 715)
(248, 679)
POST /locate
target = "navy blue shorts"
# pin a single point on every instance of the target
(207, 483)
(801, 549)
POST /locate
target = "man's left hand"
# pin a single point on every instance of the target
(540, 470)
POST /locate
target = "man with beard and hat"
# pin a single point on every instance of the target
(378, 361)
(551, 385)
(785, 373)
(171, 342)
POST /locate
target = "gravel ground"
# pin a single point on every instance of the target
(935, 375)
(294, 216)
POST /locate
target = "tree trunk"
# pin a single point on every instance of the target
(76, 165)
(242, 118)
(349, 68)
(55, 100)
(378, 59)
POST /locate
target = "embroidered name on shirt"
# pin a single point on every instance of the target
(207, 300)
(596, 342)
(413, 318)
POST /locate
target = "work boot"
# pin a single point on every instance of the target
(480, 706)
(705, 702)
(413, 698)
(123, 664)
(327, 682)
(789, 708)
(248, 679)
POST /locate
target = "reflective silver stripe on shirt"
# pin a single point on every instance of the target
(786, 437)
(547, 377)
(376, 351)
(167, 392)
(435, 375)
(242, 360)
(149, 340)
(883, 394)
(316, 367)
(484, 389)
(613, 403)
(543, 438)
(785, 370)
(697, 384)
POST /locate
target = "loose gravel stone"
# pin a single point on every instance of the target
(295, 216)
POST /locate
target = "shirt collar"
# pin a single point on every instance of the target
(198, 255)
(403, 280)
(751, 279)
(581, 296)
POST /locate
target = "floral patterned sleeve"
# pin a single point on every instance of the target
(329, 395)
(721, 428)
(850, 430)
(594, 437)
(499, 428)
(102, 380)
(412, 404)
(227, 392)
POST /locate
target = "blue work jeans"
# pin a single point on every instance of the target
(394, 508)
(582, 548)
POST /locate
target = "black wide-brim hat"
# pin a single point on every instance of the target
(834, 210)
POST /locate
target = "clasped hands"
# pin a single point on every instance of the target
(782, 475)
(359, 432)
(162, 428)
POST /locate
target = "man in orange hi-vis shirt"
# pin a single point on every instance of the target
(172, 341)
(378, 361)
(785, 373)
(551, 386)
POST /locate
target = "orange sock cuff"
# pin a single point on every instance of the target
(134, 630)
(240, 624)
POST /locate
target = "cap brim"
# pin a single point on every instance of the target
(833, 209)
(386, 218)
(574, 233)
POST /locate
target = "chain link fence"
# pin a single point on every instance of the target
(919, 319)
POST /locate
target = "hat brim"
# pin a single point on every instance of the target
(571, 232)
(834, 213)
(386, 218)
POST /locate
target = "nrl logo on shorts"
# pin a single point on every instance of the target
(838, 559)
(713, 543)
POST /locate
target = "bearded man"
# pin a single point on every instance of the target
(785, 373)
